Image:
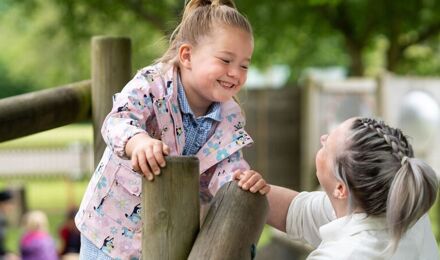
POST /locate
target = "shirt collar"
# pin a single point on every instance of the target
(350, 225)
(214, 111)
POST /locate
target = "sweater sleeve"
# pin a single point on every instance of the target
(307, 212)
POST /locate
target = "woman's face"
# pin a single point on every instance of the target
(331, 145)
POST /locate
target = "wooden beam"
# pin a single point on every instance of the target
(43, 110)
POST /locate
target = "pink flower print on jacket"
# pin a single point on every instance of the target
(135, 215)
(148, 101)
(102, 183)
(239, 125)
(212, 147)
(98, 209)
(222, 154)
(161, 105)
(231, 117)
(108, 245)
(240, 138)
(148, 75)
(128, 233)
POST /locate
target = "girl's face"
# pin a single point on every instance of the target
(331, 145)
(217, 67)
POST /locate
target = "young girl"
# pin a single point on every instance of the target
(36, 243)
(376, 196)
(182, 105)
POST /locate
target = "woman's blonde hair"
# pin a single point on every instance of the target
(384, 178)
(200, 17)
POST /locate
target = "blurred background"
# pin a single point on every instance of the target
(316, 63)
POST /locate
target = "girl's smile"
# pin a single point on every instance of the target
(216, 68)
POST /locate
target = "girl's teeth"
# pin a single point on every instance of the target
(226, 85)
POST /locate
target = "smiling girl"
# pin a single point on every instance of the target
(181, 105)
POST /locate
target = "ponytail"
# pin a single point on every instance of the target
(198, 20)
(193, 4)
(411, 194)
(384, 178)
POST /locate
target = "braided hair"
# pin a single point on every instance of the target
(384, 178)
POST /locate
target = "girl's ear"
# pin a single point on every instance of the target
(185, 55)
(340, 191)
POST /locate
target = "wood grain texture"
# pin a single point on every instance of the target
(170, 210)
(43, 110)
(111, 70)
(232, 226)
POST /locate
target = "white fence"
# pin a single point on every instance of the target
(73, 161)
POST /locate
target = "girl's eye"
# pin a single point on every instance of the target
(244, 67)
(225, 61)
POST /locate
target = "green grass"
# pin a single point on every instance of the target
(58, 137)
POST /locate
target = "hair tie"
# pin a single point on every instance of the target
(404, 159)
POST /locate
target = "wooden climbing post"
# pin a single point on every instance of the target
(170, 210)
(232, 226)
(111, 70)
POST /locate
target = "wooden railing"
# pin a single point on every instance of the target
(43, 110)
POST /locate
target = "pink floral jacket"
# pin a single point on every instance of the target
(109, 214)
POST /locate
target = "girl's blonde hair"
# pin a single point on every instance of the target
(200, 17)
(36, 221)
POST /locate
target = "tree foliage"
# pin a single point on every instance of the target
(47, 42)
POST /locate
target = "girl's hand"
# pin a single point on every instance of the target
(147, 154)
(252, 181)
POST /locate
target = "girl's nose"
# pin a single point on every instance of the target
(234, 72)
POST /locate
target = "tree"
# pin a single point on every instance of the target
(355, 24)
(362, 35)
(360, 23)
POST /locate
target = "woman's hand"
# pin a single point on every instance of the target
(252, 181)
(147, 154)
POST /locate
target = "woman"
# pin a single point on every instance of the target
(376, 196)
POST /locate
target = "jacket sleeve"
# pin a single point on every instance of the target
(132, 107)
(225, 169)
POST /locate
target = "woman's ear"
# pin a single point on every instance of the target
(340, 191)
(185, 55)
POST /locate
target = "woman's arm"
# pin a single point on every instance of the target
(279, 201)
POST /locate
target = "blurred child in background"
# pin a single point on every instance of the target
(36, 243)
(70, 237)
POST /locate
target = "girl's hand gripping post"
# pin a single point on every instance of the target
(147, 154)
(252, 181)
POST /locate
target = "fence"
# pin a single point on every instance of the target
(71, 162)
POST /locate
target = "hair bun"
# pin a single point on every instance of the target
(198, 3)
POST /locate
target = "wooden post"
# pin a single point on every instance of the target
(111, 70)
(232, 226)
(170, 210)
